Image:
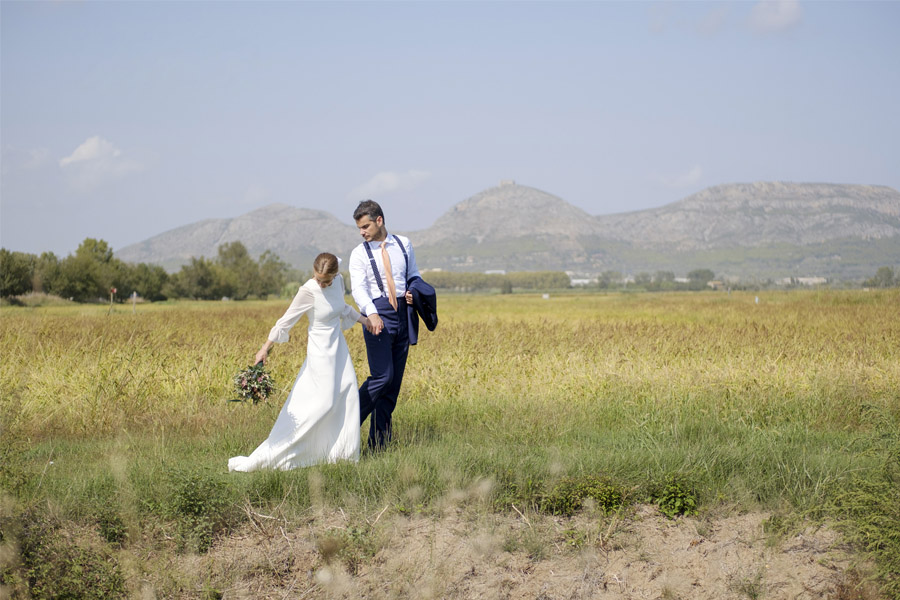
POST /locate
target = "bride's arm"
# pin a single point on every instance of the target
(350, 317)
(279, 334)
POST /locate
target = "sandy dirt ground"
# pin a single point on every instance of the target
(467, 554)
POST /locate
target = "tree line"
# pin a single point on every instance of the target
(660, 281)
(884, 278)
(93, 272)
(552, 280)
(505, 282)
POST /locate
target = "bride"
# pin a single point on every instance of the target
(319, 422)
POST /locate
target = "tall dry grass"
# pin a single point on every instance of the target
(826, 360)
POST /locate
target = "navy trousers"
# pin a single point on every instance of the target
(387, 354)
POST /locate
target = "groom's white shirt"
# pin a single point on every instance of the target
(362, 279)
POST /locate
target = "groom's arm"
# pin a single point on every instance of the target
(413, 270)
(359, 288)
(359, 266)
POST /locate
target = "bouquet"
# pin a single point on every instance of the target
(254, 383)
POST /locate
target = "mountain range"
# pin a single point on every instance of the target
(750, 231)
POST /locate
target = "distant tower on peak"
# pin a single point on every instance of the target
(505, 182)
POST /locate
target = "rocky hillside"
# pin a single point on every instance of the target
(510, 227)
(297, 235)
(759, 214)
(748, 230)
(509, 211)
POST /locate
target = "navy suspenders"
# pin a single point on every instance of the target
(375, 267)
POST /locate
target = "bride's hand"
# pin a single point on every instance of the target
(375, 324)
(262, 355)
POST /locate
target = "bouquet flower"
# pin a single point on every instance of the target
(254, 383)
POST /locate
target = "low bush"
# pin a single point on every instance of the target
(203, 506)
(869, 514)
(569, 495)
(54, 563)
(674, 497)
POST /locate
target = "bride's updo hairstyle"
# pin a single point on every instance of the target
(326, 264)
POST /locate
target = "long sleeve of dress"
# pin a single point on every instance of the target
(301, 303)
(350, 315)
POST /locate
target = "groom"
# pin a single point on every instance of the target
(379, 270)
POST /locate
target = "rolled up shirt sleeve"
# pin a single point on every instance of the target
(301, 303)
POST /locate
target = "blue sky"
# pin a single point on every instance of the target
(121, 120)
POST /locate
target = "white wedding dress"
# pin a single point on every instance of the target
(319, 422)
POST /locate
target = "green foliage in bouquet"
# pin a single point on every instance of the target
(254, 384)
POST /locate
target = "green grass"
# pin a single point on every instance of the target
(120, 423)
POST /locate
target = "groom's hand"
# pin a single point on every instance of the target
(375, 324)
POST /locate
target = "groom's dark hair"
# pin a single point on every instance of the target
(368, 208)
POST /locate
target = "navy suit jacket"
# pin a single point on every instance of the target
(424, 305)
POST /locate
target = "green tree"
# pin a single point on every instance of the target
(289, 289)
(233, 274)
(46, 273)
(608, 279)
(95, 250)
(242, 271)
(147, 280)
(200, 279)
(16, 272)
(89, 273)
(884, 278)
(664, 276)
(271, 274)
(698, 278)
(643, 279)
(539, 280)
(79, 278)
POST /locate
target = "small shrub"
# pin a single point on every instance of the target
(514, 490)
(852, 586)
(869, 513)
(11, 577)
(568, 496)
(203, 508)
(55, 565)
(575, 539)
(13, 474)
(354, 546)
(675, 497)
(111, 527)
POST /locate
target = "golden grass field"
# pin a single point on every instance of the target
(789, 404)
(823, 359)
